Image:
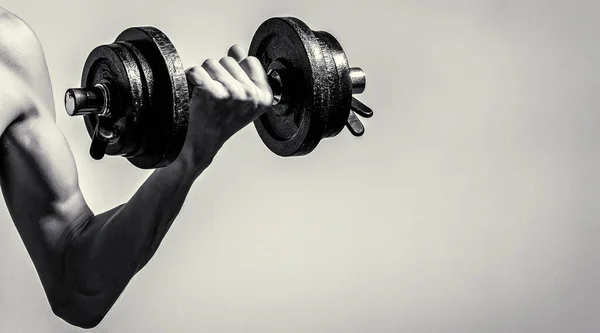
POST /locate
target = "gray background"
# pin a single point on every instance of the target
(470, 205)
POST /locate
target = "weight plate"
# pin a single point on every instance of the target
(114, 66)
(144, 120)
(294, 127)
(341, 84)
(165, 118)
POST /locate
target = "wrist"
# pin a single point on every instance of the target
(192, 163)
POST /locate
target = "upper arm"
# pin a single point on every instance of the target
(38, 175)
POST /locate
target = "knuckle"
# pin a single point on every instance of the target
(236, 92)
(210, 93)
(200, 92)
(221, 95)
(266, 99)
(250, 92)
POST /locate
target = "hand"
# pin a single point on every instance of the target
(226, 96)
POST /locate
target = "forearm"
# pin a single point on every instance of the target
(111, 247)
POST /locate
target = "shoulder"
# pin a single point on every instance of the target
(16, 36)
(20, 49)
(25, 83)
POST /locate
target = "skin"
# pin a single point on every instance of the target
(85, 260)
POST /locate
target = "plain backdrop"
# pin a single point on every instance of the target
(471, 204)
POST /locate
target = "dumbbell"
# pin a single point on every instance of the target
(134, 95)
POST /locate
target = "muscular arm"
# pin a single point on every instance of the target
(100, 253)
(84, 260)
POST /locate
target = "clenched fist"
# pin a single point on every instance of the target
(226, 95)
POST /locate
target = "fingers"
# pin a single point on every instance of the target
(198, 77)
(242, 77)
(250, 65)
(256, 73)
(234, 68)
(237, 53)
(220, 74)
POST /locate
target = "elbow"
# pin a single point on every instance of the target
(86, 321)
(69, 293)
(78, 310)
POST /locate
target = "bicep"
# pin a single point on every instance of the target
(38, 176)
(39, 181)
(37, 170)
